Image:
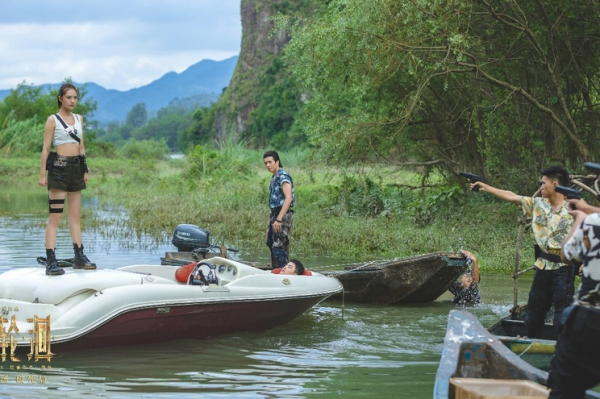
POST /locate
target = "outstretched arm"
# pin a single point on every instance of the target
(475, 265)
(504, 195)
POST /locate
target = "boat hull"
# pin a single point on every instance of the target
(471, 351)
(144, 304)
(198, 321)
(416, 279)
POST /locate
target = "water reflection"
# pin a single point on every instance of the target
(333, 349)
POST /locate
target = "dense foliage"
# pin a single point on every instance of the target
(169, 125)
(464, 84)
(23, 115)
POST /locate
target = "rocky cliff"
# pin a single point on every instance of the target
(260, 50)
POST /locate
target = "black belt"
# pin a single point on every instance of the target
(278, 209)
(67, 159)
(544, 255)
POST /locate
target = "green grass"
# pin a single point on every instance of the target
(332, 216)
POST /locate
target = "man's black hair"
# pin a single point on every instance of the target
(275, 156)
(557, 173)
(299, 266)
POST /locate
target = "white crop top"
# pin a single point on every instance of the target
(61, 136)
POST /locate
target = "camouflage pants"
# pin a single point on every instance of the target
(279, 242)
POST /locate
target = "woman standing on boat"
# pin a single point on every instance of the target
(67, 176)
(466, 291)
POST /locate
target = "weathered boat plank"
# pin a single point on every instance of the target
(470, 351)
(415, 279)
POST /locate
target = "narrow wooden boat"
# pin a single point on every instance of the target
(416, 279)
(511, 331)
(513, 325)
(537, 352)
(471, 351)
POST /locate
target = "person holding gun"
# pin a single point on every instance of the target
(553, 283)
(574, 367)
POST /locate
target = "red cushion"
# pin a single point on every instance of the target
(183, 273)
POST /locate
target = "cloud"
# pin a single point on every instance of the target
(117, 44)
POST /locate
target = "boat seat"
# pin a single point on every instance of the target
(33, 285)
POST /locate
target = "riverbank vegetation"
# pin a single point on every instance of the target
(355, 213)
(374, 131)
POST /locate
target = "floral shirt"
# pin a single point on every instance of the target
(469, 295)
(549, 227)
(584, 246)
(276, 197)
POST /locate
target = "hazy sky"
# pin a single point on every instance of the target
(117, 44)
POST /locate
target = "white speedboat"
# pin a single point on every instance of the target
(141, 304)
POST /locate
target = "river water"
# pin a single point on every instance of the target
(331, 350)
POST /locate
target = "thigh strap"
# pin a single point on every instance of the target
(56, 202)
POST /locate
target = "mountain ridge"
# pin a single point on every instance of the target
(205, 77)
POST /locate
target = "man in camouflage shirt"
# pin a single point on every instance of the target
(553, 280)
(281, 201)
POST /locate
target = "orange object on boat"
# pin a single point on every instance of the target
(183, 273)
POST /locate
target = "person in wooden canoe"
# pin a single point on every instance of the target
(553, 282)
(466, 291)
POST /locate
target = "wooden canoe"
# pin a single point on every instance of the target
(537, 352)
(471, 351)
(416, 279)
(513, 325)
(511, 331)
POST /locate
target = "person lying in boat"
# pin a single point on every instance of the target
(294, 266)
(466, 291)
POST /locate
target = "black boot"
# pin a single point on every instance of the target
(81, 261)
(52, 268)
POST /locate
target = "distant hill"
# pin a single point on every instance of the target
(204, 80)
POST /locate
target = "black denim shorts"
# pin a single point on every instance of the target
(68, 178)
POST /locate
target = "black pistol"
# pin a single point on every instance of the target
(592, 167)
(472, 178)
(569, 193)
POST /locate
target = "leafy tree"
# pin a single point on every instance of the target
(168, 124)
(137, 116)
(473, 84)
(27, 101)
(202, 129)
(271, 122)
(23, 115)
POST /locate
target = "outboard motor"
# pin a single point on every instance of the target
(188, 237)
